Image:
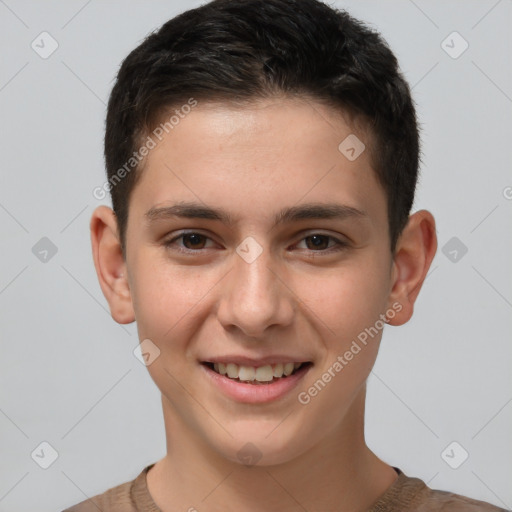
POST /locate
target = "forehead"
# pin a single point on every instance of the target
(270, 153)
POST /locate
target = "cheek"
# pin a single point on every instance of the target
(165, 297)
(349, 303)
(347, 299)
(167, 301)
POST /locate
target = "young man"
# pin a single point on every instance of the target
(262, 158)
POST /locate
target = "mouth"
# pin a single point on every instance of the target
(261, 375)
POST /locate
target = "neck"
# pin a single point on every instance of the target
(339, 473)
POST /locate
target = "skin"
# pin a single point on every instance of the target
(296, 298)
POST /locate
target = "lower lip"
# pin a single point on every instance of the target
(256, 393)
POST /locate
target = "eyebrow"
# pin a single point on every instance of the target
(193, 210)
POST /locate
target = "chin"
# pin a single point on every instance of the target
(257, 443)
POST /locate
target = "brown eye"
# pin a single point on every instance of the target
(191, 243)
(195, 241)
(322, 244)
(318, 242)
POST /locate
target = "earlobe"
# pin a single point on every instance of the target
(414, 253)
(110, 265)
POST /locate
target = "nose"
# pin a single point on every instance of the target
(255, 298)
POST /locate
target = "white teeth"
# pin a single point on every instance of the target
(288, 368)
(246, 373)
(261, 374)
(232, 370)
(278, 370)
(264, 373)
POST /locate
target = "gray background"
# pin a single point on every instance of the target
(68, 373)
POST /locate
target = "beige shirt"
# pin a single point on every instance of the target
(406, 494)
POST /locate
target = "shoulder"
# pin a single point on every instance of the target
(412, 494)
(121, 498)
(116, 499)
(431, 500)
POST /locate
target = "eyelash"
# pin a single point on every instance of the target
(341, 245)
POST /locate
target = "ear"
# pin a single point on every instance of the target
(414, 253)
(110, 265)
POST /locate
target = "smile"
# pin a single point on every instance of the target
(261, 384)
(262, 374)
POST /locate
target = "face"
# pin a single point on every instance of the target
(279, 253)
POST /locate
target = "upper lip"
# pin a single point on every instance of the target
(249, 361)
